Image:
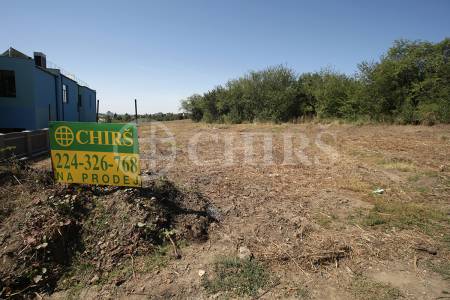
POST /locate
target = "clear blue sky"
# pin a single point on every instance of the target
(162, 51)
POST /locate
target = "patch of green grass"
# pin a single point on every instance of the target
(422, 189)
(443, 270)
(302, 293)
(74, 292)
(406, 216)
(399, 165)
(355, 184)
(238, 277)
(356, 216)
(141, 264)
(324, 221)
(414, 178)
(123, 271)
(367, 289)
(76, 279)
(424, 181)
(99, 216)
(82, 271)
(365, 153)
(277, 129)
(156, 260)
(446, 241)
(432, 174)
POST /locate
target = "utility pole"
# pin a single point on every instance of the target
(98, 104)
(135, 111)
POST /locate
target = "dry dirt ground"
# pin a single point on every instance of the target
(306, 210)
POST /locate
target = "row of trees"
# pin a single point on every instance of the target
(409, 84)
(124, 118)
(163, 116)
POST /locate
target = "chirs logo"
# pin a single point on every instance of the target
(107, 138)
(64, 136)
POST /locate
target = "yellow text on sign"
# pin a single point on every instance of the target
(105, 168)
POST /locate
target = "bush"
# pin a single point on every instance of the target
(239, 277)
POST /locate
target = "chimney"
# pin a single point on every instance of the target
(40, 59)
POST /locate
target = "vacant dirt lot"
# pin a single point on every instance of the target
(325, 211)
(315, 221)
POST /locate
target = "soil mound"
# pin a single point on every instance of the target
(49, 230)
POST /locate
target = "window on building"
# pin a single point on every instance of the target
(7, 83)
(65, 95)
(80, 102)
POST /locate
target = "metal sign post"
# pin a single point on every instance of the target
(135, 111)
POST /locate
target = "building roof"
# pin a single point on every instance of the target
(11, 52)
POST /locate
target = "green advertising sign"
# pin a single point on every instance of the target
(94, 153)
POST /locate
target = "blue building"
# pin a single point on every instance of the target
(32, 94)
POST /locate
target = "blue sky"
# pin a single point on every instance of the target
(162, 51)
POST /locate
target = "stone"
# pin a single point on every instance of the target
(94, 279)
(245, 253)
